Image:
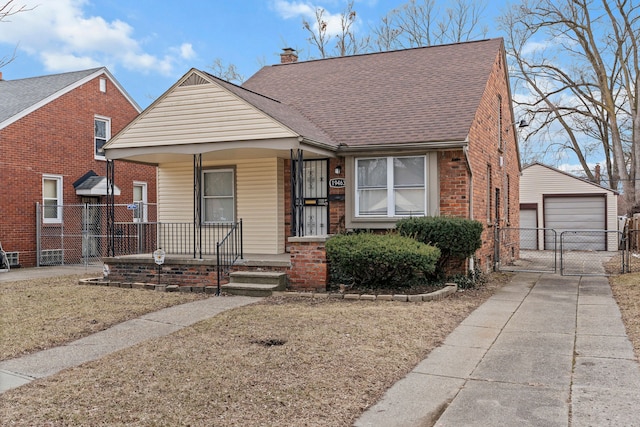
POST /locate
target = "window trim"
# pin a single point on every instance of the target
(234, 194)
(391, 188)
(58, 180)
(107, 120)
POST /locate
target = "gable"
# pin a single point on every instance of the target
(198, 110)
(540, 179)
(21, 97)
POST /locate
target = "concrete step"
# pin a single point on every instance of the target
(262, 277)
(251, 289)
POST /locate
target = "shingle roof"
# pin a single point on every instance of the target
(416, 95)
(20, 95)
(285, 114)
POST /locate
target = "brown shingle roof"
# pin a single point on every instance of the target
(427, 94)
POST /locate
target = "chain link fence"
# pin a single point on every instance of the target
(77, 234)
(537, 249)
(571, 252)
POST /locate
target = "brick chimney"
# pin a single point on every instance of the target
(0, 76)
(596, 175)
(288, 56)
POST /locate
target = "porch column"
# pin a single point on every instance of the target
(111, 208)
(197, 206)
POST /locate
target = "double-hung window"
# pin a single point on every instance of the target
(101, 134)
(51, 199)
(218, 195)
(391, 186)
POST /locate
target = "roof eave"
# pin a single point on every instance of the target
(410, 146)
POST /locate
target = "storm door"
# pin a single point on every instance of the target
(315, 197)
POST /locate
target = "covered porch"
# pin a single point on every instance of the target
(237, 174)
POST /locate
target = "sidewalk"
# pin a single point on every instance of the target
(546, 350)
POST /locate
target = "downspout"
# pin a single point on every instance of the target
(465, 150)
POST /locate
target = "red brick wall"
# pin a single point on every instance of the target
(58, 139)
(484, 152)
(309, 270)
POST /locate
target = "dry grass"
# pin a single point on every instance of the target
(293, 362)
(42, 313)
(626, 290)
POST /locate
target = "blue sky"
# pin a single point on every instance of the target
(149, 44)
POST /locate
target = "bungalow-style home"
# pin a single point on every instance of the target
(303, 150)
(53, 168)
(556, 200)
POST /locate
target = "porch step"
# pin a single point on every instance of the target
(249, 289)
(255, 283)
(263, 277)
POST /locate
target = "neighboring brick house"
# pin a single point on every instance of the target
(308, 149)
(52, 129)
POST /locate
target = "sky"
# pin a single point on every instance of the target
(149, 44)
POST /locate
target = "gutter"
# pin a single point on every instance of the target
(346, 149)
(465, 150)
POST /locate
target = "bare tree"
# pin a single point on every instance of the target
(226, 72)
(8, 9)
(346, 40)
(583, 79)
(424, 23)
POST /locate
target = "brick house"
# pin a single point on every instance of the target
(303, 150)
(52, 129)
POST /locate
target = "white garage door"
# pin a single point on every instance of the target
(528, 224)
(577, 213)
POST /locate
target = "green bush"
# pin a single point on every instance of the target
(376, 261)
(457, 238)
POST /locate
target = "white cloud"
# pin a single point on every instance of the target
(63, 38)
(186, 51)
(307, 11)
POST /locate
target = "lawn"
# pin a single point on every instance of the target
(626, 290)
(43, 313)
(282, 361)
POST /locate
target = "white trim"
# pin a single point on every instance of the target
(107, 120)
(390, 187)
(68, 89)
(233, 194)
(58, 180)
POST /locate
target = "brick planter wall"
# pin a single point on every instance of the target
(175, 271)
(309, 270)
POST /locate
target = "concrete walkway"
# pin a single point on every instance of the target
(546, 350)
(19, 371)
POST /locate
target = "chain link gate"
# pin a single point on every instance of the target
(572, 252)
(78, 233)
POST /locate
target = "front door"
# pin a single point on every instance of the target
(315, 197)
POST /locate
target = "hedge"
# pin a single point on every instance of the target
(376, 261)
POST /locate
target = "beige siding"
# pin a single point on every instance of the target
(538, 180)
(204, 113)
(259, 200)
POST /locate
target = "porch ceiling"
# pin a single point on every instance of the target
(232, 150)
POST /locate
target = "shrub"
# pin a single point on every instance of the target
(457, 238)
(375, 261)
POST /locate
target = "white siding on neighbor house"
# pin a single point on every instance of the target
(259, 200)
(204, 113)
(538, 181)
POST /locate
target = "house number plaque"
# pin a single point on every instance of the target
(336, 183)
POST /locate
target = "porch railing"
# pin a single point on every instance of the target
(228, 250)
(222, 240)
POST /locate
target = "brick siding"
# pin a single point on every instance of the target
(58, 139)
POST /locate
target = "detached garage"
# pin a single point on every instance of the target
(553, 199)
